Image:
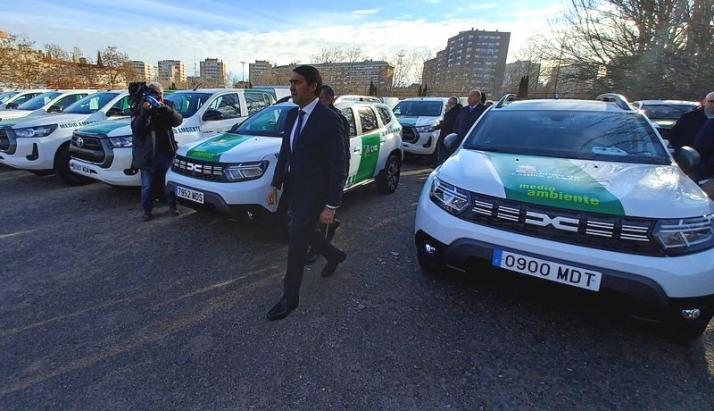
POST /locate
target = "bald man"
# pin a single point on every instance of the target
(685, 130)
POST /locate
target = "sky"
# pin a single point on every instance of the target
(280, 31)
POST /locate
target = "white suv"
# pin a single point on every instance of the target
(231, 172)
(580, 193)
(50, 102)
(425, 115)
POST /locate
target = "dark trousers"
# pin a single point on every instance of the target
(303, 234)
(151, 178)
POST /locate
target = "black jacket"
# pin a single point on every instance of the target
(704, 144)
(317, 166)
(346, 126)
(466, 119)
(447, 124)
(686, 128)
(152, 130)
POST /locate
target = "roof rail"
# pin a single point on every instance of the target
(505, 100)
(618, 99)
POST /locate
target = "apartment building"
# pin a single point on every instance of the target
(172, 71)
(144, 71)
(213, 72)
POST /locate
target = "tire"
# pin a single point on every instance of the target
(435, 157)
(62, 170)
(683, 331)
(388, 178)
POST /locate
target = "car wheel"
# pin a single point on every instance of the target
(62, 170)
(681, 330)
(388, 178)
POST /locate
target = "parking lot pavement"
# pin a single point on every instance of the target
(101, 311)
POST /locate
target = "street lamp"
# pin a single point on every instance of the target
(243, 63)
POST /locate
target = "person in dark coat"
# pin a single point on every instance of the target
(453, 107)
(469, 114)
(154, 147)
(704, 144)
(311, 168)
(327, 98)
(685, 130)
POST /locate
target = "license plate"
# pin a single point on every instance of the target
(189, 194)
(548, 270)
(79, 168)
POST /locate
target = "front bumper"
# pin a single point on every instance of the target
(243, 200)
(115, 171)
(30, 153)
(423, 144)
(657, 285)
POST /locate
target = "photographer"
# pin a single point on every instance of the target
(153, 145)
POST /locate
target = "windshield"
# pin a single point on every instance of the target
(419, 108)
(39, 101)
(604, 136)
(269, 122)
(667, 111)
(6, 96)
(91, 104)
(187, 103)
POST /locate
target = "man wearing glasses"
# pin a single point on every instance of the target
(685, 130)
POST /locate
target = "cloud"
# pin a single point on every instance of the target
(365, 12)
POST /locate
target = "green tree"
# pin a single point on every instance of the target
(419, 93)
(99, 59)
(523, 88)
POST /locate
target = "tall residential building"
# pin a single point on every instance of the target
(213, 71)
(344, 78)
(516, 70)
(172, 71)
(144, 71)
(473, 59)
(260, 73)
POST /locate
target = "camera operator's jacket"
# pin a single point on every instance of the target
(150, 126)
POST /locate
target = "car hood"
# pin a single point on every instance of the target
(11, 114)
(107, 127)
(416, 121)
(231, 148)
(635, 190)
(64, 120)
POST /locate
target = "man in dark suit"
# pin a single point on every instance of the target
(469, 114)
(311, 169)
(453, 108)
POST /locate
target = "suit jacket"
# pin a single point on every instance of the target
(317, 166)
(447, 125)
(685, 130)
(466, 119)
(346, 129)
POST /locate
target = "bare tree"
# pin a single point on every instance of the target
(328, 55)
(115, 65)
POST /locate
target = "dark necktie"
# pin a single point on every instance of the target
(297, 129)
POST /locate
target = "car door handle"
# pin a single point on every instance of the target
(357, 150)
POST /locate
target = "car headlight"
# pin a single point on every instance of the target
(425, 129)
(451, 198)
(121, 141)
(245, 171)
(685, 235)
(39, 131)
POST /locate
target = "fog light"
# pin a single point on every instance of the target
(691, 314)
(429, 249)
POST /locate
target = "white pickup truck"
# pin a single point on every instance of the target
(41, 144)
(103, 151)
(51, 102)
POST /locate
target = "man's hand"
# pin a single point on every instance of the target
(272, 197)
(327, 216)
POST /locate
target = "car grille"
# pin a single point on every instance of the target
(409, 134)
(203, 170)
(4, 140)
(87, 147)
(601, 231)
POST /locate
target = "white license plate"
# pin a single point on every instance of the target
(189, 194)
(79, 168)
(548, 270)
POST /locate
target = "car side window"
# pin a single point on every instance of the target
(349, 115)
(368, 119)
(384, 114)
(121, 106)
(256, 102)
(228, 105)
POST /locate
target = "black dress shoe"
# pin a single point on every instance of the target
(173, 210)
(146, 216)
(332, 263)
(282, 309)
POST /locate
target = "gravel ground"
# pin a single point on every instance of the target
(101, 311)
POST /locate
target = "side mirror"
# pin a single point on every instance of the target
(54, 109)
(451, 142)
(211, 115)
(12, 105)
(687, 158)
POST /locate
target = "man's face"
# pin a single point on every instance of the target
(709, 102)
(158, 92)
(473, 98)
(302, 94)
(326, 100)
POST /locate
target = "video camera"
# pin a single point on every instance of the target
(139, 92)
